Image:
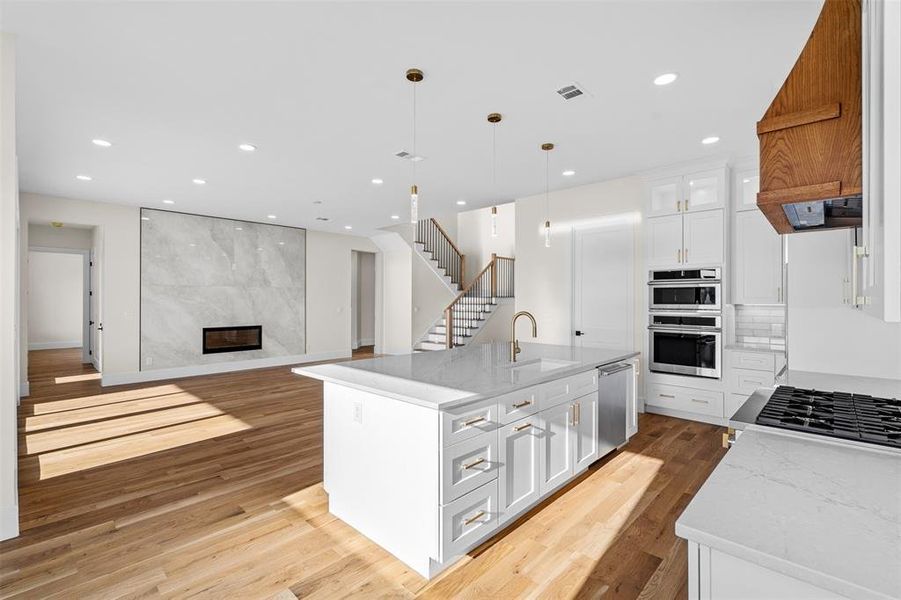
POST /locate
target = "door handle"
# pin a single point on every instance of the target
(578, 333)
(100, 327)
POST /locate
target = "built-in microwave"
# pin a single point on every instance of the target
(687, 343)
(688, 289)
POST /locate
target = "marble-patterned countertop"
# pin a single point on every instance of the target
(811, 508)
(453, 377)
(755, 347)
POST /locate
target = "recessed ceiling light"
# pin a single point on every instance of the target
(247, 147)
(83, 177)
(710, 140)
(746, 181)
(377, 181)
(193, 245)
(168, 201)
(348, 227)
(199, 181)
(101, 143)
(461, 202)
(271, 217)
(395, 217)
(145, 218)
(281, 243)
(239, 229)
(568, 173)
(665, 79)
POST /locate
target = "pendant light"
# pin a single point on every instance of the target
(547, 147)
(494, 119)
(414, 76)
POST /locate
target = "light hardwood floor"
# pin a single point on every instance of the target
(210, 487)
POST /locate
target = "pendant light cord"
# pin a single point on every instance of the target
(494, 157)
(414, 132)
(547, 185)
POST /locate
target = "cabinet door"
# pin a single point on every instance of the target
(664, 241)
(705, 190)
(665, 196)
(747, 184)
(556, 466)
(585, 434)
(519, 449)
(703, 238)
(757, 260)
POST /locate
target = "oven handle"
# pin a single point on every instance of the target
(687, 329)
(683, 282)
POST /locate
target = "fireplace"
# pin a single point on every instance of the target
(232, 339)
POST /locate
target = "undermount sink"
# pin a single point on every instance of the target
(539, 365)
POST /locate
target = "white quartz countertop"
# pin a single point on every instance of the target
(808, 507)
(453, 377)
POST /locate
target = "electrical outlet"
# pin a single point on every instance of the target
(358, 412)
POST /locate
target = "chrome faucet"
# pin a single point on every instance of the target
(514, 343)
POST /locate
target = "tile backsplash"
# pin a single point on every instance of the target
(760, 325)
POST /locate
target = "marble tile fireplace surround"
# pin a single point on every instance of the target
(201, 276)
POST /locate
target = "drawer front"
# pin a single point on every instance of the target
(514, 406)
(686, 399)
(468, 520)
(467, 465)
(732, 403)
(745, 381)
(755, 361)
(557, 392)
(468, 422)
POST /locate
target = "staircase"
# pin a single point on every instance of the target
(437, 247)
(465, 316)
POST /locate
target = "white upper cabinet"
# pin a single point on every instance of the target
(747, 184)
(757, 260)
(704, 190)
(702, 236)
(664, 241)
(665, 196)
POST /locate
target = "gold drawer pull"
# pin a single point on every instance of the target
(474, 463)
(521, 404)
(700, 401)
(521, 427)
(474, 517)
(472, 422)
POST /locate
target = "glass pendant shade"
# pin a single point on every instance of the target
(414, 204)
(547, 234)
(493, 221)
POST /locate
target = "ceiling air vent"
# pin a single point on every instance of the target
(408, 156)
(322, 218)
(573, 90)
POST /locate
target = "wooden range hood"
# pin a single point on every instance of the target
(811, 135)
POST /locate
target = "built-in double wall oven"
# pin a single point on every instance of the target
(685, 322)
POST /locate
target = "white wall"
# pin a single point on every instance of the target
(474, 236)
(9, 297)
(366, 282)
(46, 236)
(328, 282)
(823, 334)
(55, 300)
(544, 275)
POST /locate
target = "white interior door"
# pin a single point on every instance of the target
(604, 286)
(95, 318)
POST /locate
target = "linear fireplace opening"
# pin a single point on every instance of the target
(232, 339)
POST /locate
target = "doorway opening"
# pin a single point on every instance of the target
(362, 302)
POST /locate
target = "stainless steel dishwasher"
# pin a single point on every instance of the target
(614, 390)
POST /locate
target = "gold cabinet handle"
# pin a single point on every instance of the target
(678, 206)
(686, 204)
(685, 255)
(474, 517)
(474, 463)
(700, 401)
(521, 427)
(472, 422)
(578, 413)
(679, 256)
(521, 404)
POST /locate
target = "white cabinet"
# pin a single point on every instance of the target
(664, 245)
(702, 190)
(757, 260)
(747, 184)
(467, 520)
(519, 450)
(685, 400)
(556, 454)
(702, 238)
(585, 435)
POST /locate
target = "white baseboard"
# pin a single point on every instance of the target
(54, 345)
(241, 365)
(9, 522)
(24, 389)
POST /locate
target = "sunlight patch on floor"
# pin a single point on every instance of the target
(76, 378)
(107, 452)
(42, 408)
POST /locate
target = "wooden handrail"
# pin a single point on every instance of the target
(469, 285)
(487, 290)
(447, 237)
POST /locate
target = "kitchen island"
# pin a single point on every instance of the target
(429, 454)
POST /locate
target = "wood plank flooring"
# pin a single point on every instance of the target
(210, 487)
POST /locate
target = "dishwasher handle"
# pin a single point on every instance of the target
(614, 369)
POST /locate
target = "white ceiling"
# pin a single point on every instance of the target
(320, 89)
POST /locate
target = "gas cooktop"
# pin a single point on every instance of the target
(835, 414)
